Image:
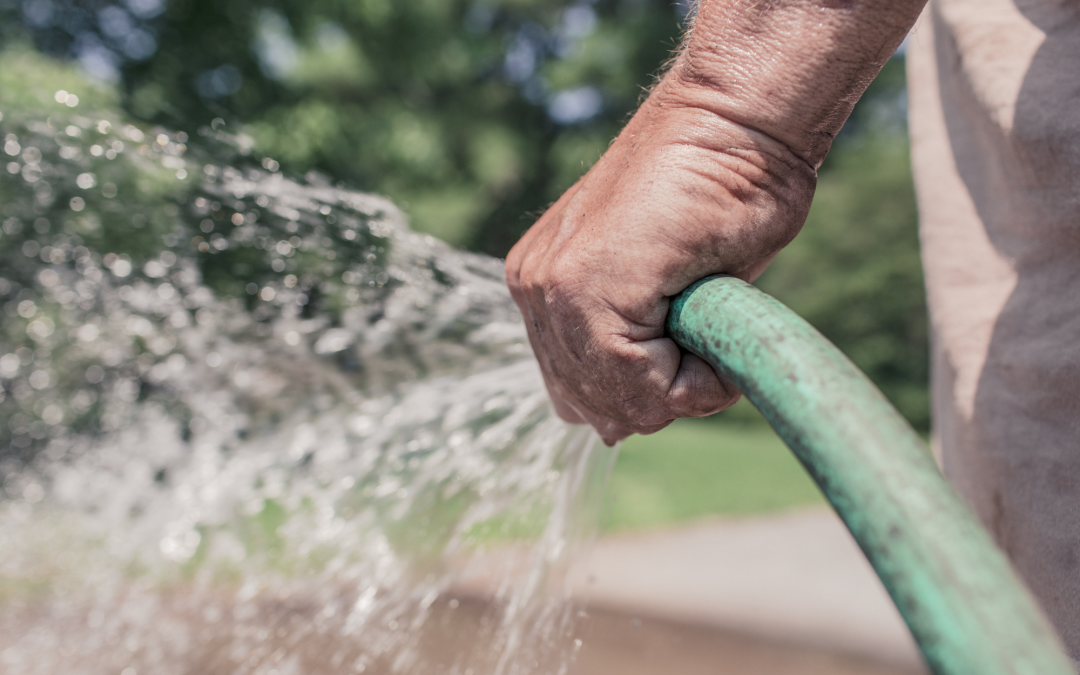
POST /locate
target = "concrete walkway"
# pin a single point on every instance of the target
(797, 578)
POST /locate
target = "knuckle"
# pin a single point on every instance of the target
(512, 271)
(688, 403)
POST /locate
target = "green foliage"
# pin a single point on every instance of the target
(442, 105)
(854, 271)
(28, 84)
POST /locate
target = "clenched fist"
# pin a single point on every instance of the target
(681, 194)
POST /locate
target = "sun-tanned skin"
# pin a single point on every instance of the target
(713, 174)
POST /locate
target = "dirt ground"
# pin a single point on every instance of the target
(786, 595)
(617, 644)
(283, 637)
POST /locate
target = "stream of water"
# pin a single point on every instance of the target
(252, 424)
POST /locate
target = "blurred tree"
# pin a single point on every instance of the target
(469, 113)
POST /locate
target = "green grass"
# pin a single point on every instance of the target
(699, 468)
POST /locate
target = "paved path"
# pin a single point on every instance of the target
(796, 578)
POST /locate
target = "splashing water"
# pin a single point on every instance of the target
(256, 425)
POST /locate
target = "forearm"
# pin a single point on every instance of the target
(791, 69)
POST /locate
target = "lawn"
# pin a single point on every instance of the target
(731, 465)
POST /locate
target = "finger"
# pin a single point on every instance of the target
(612, 432)
(698, 390)
(756, 270)
(523, 249)
(653, 429)
(658, 365)
(560, 402)
(678, 384)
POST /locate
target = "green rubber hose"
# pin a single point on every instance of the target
(967, 609)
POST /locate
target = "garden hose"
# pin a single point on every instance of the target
(968, 611)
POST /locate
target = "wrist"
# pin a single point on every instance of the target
(691, 114)
(792, 70)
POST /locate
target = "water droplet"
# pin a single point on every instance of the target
(387, 388)
(88, 333)
(48, 278)
(27, 309)
(121, 268)
(39, 379)
(33, 493)
(9, 365)
(52, 414)
(95, 374)
(154, 269)
(41, 328)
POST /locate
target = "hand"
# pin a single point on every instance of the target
(681, 194)
(714, 174)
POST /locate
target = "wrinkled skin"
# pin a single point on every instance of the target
(714, 174)
(681, 194)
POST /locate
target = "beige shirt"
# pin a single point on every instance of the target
(995, 123)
